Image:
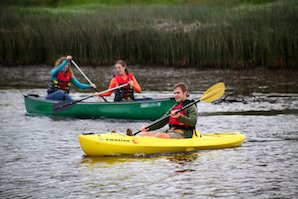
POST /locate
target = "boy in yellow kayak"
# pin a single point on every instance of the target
(182, 124)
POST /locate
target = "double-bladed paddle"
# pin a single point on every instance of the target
(61, 106)
(211, 94)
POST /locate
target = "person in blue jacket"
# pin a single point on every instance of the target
(61, 79)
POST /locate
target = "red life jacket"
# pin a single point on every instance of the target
(125, 92)
(62, 82)
(173, 122)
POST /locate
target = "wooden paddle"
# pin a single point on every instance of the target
(210, 95)
(75, 64)
(61, 106)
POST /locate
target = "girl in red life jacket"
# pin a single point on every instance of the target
(123, 77)
(182, 124)
(61, 79)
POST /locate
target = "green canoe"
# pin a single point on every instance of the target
(141, 109)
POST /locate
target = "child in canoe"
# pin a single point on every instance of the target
(123, 76)
(61, 79)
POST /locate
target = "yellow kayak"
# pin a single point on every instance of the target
(108, 144)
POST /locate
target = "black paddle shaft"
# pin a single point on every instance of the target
(61, 106)
(168, 115)
(58, 107)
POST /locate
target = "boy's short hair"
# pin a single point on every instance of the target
(181, 85)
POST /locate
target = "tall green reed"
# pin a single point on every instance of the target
(241, 35)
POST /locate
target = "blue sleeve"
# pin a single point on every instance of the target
(59, 68)
(79, 84)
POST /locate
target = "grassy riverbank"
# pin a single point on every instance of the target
(222, 34)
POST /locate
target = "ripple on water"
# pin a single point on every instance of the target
(41, 156)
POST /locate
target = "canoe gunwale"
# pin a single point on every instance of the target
(42, 99)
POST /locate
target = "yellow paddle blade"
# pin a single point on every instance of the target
(215, 86)
(213, 93)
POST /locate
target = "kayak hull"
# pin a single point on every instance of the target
(119, 144)
(147, 109)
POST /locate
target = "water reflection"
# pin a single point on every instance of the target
(116, 159)
(183, 158)
(181, 161)
(180, 158)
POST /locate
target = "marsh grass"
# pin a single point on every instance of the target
(205, 35)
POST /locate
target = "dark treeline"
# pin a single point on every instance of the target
(201, 35)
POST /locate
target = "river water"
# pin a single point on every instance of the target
(41, 156)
